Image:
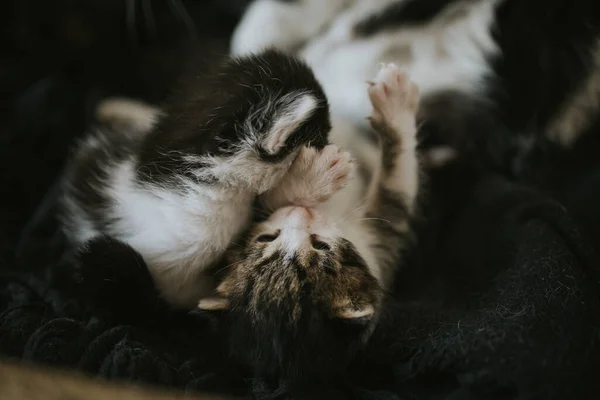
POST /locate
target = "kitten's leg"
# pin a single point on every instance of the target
(393, 191)
(132, 117)
(313, 178)
(282, 24)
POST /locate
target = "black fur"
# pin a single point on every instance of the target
(89, 173)
(107, 269)
(205, 115)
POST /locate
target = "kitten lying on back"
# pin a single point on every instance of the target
(180, 192)
(304, 289)
(482, 66)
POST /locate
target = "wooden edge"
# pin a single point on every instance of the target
(22, 381)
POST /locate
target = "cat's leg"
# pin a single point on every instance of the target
(394, 187)
(129, 116)
(315, 175)
(285, 25)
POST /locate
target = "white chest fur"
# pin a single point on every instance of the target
(179, 233)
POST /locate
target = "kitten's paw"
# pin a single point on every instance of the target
(324, 171)
(395, 98)
(338, 165)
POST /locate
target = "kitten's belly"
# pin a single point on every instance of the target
(443, 56)
(342, 70)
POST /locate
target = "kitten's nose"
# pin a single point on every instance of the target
(300, 216)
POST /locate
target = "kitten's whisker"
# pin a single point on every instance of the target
(241, 246)
(228, 266)
(375, 219)
(350, 213)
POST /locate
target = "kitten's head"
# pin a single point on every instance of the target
(247, 112)
(298, 298)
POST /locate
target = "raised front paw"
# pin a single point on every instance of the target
(323, 172)
(314, 177)
(395, 99)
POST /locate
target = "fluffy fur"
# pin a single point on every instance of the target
(180, 193)
(303, 290)
(497, 76)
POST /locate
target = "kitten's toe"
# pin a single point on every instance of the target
(339, 165)
(306, 157)
(394, 96)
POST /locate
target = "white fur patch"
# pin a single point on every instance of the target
(444, 54)
(288, 120)
(178, 234)
(213, 304)
(351, 313)
(272, 23)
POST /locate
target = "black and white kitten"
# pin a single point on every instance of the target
(179, 185)
(303, 289)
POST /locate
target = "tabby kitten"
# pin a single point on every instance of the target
(303, 292)
(179, 186)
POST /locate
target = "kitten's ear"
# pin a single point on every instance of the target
(287, 119)
(213, 304)
(350, 313)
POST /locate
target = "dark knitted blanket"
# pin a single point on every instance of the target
(500, 300)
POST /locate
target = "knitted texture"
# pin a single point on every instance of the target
(500, 299)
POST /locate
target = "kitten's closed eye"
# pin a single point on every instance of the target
(267, 238)
(318, 244)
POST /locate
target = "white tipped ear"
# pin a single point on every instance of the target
(213, 304)
(288, 120)
(353, 313)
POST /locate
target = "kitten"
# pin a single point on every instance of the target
(179, 185)
(498, 77)
(303, 291)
